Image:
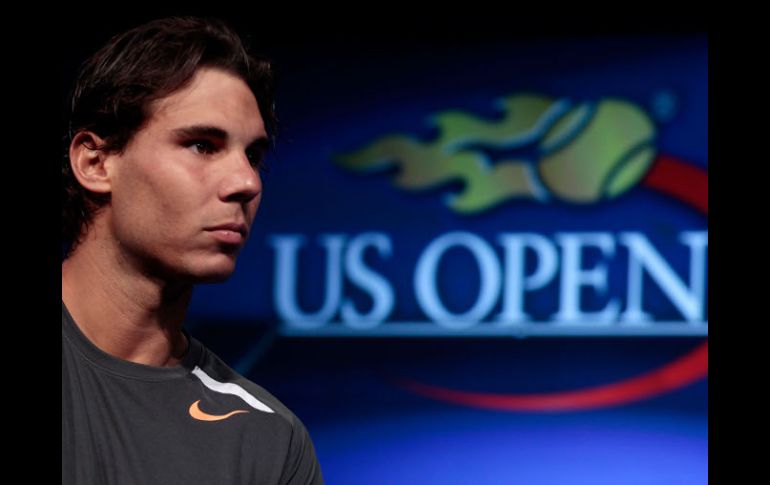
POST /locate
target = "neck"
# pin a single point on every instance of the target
(122, 310)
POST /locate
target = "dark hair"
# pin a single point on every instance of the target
(116, 86)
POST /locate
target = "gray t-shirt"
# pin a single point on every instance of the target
(196, 423)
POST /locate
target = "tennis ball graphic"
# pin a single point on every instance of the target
(596, 152)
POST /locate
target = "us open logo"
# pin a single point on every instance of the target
(553, 151)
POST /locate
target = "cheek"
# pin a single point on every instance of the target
(153, 204)
(136, 217)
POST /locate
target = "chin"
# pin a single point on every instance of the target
(215, 275)
(217, 270)
(198, 268)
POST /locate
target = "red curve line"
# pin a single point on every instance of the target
(685, 370)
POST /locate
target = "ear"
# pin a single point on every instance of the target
(90, 164)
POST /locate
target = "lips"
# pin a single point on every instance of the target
(233, 227)
(230, 233)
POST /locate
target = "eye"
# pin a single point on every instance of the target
(257, 159)
(202, 147)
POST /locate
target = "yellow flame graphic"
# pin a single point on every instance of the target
(587, 152)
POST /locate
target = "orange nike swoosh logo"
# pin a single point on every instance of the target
(195, 412)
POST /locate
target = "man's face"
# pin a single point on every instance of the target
(189, 170)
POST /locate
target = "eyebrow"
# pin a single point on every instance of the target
(210, 131)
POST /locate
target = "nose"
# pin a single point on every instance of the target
(241, 182)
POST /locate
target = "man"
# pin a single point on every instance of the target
(170, 123)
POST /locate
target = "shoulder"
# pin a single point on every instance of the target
(301, 464)
(217, 375)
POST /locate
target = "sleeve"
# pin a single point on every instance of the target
(301, 466)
